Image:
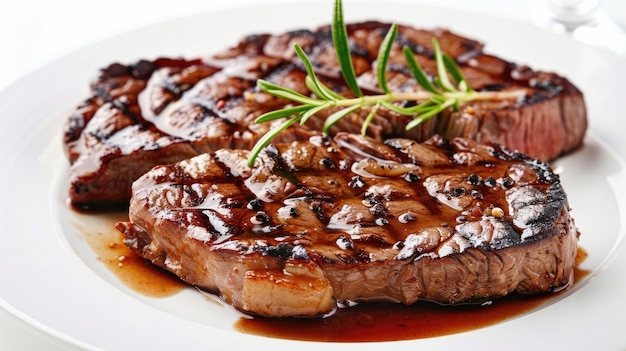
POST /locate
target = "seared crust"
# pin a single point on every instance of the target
(354, 219)
(166, 110)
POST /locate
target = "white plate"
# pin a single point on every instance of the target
(52, 279)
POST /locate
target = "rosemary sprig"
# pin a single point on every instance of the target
(440, 92)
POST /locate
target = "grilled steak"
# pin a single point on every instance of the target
(161, 111)
(353, 219)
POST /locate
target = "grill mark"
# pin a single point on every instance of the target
(228, 175)
(281, 70)
(171, 87)
(207, 104)
(196, 199)
(416, 48)
(102, 93)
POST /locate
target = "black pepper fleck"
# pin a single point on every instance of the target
(293, 212)
(346, 242)
(474, 179)
(255, 204)
(411, 177)
(458, 192)
(490, 182)
(507, 183)
(356, 182)
(262, 217)
(328, 162)
(378, 209)
(407, 217)
(381, 221)
(234, 204)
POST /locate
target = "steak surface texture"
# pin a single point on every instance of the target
(348, 219)
(167, 110)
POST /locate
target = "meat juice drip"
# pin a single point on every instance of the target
(379, 321)
(132, 270)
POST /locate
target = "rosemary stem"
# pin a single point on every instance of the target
(425, 95)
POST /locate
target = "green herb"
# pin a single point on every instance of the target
(342, 47)
(440, 92)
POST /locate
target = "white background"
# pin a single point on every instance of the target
(35, 32)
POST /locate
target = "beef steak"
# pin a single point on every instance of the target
(166, 110)
(353, 219)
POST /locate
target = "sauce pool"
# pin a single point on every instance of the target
(131, 269)
(366, 322)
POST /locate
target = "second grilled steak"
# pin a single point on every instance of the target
(166, 110)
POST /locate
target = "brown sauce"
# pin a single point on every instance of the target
(367, 322)
(132, 270)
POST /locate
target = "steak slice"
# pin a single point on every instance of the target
(353, 219)
(161, 111)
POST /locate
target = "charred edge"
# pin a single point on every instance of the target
(544, 171)
(75, 125)
(253, 44)
(556, 202)
(535, 98)
(510, 238)
(123, 106)
(501, 152)
(114, 70)
(143, 69)
(549, 86)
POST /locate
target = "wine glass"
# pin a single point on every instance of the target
(585, 20)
